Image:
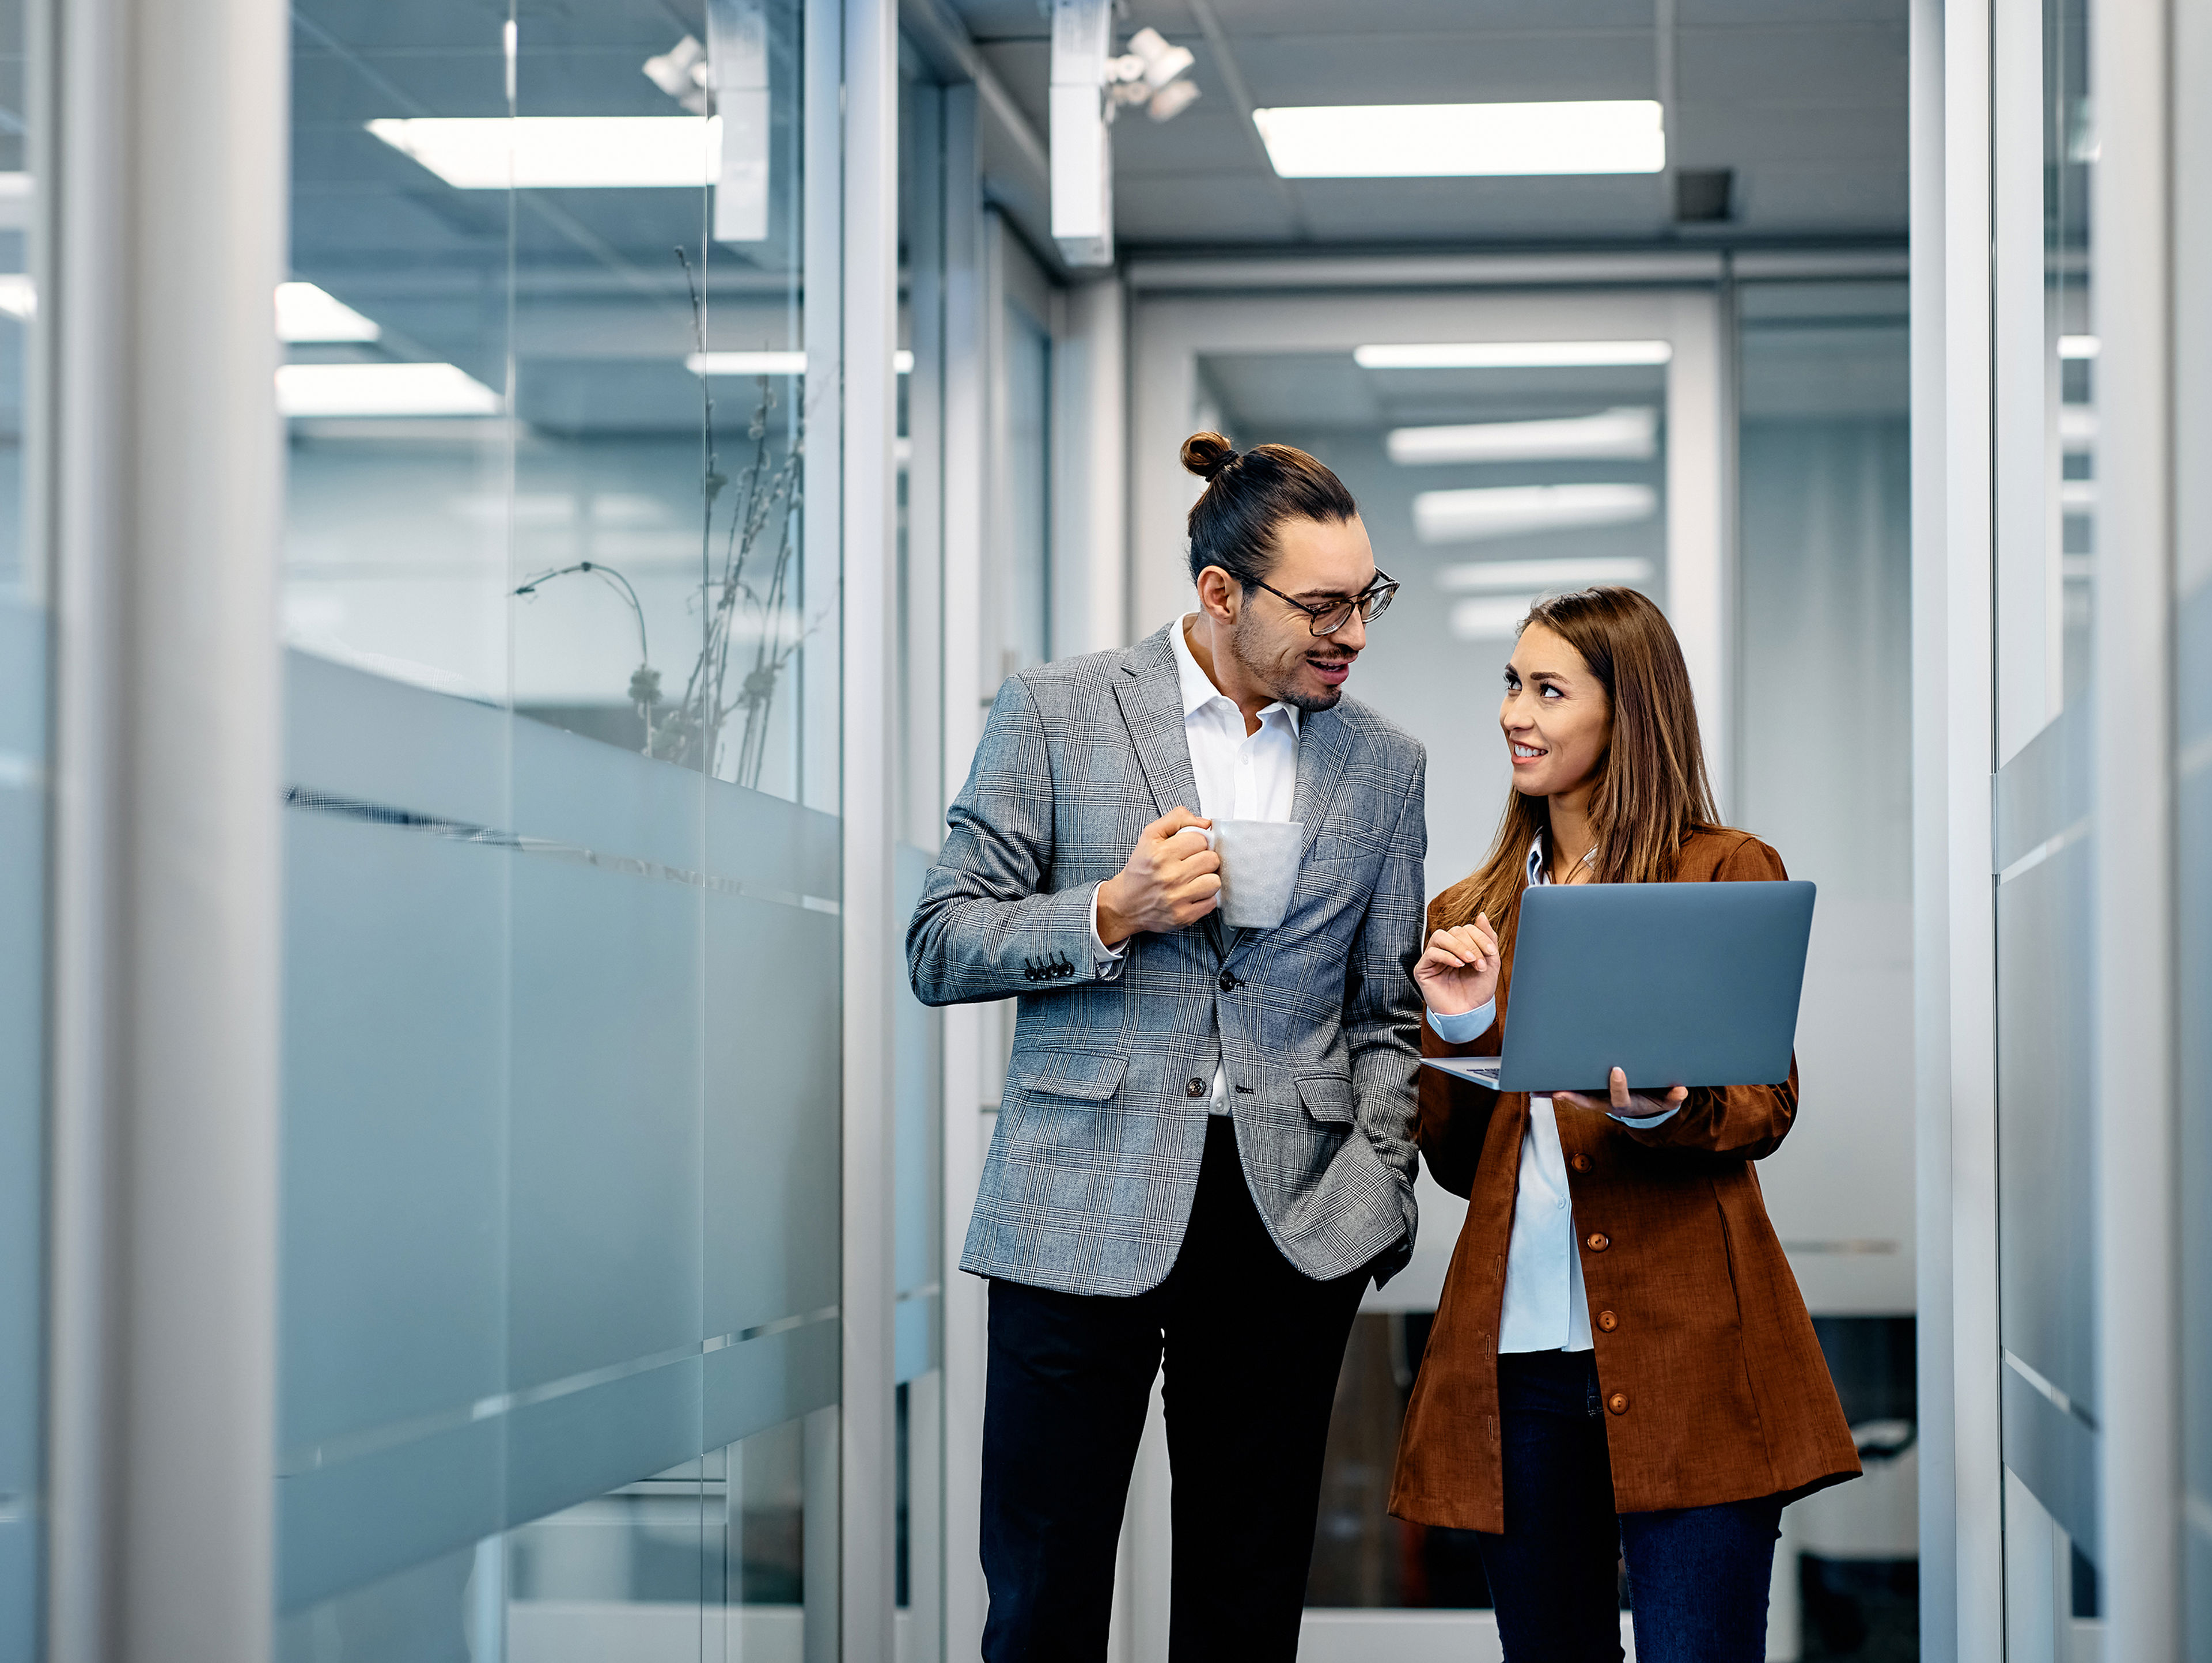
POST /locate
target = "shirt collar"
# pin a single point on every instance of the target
(1198, 688)
(1537, 872)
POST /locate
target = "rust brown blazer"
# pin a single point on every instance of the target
(1715, 1387)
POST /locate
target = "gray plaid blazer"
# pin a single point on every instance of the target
(1089, 1182)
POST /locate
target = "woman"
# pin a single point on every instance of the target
(1621, 1365)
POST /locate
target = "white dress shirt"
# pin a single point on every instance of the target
(1239, 775)
(1546, 1308)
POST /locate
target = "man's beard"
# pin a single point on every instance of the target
(1277, 674)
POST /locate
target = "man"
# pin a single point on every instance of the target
(1204, 1146)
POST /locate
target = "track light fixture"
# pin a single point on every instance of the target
(1090, 85)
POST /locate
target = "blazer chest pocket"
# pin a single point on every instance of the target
(1327, 1097)
(1086, 1076)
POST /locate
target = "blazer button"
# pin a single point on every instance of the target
(1597, 1241)
(1618, 1403)
(1193, 1088)
(1580, 1163)
(1228, 982)
(1607, 1321)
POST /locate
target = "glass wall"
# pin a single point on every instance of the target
(2044, 854)
(560, 1354)
(24, 577)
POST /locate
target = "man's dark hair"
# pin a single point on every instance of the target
(1233, 522)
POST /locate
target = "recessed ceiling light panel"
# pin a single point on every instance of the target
(1629, 434)
(308, 313)
(325, 389)
(560, 153)
(1517, 510)
(1543, 576)
(1511, 355)
(1436, 140)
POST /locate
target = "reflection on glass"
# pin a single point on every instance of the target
(561, 1212)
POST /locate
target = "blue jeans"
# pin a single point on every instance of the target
(1696, 1576)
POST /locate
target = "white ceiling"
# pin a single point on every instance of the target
(1804, 99)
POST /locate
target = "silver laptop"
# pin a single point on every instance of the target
(1678, 984)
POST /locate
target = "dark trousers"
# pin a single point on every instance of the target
(1252, 1347)
(1696, 1576)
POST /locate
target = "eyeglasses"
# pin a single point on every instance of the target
(1329, 616)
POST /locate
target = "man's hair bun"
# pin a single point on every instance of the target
(1207, 454)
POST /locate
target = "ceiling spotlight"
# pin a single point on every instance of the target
(1147, 74)
(2079, 346)
(681, 72)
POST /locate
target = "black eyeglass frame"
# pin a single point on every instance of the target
(1371, 603)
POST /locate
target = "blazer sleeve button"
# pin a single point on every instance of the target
(1597, 1241)
(1618, 1403)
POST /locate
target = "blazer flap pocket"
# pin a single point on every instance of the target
(1089, 1076)
(1326, 1096)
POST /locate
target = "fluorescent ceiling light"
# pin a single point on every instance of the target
(1513, 510)
(1490, 620)
(2079, 346)
(305, 313)
(771, 363)
(17, 193)
(547, 153)
(1431, 141)
(2077, 428)
(382, 390)
(1629, 434)
(1511, 355)
(19, 298)
(746, 363)
(1546, 576)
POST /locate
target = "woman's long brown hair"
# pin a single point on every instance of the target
(1652, 791)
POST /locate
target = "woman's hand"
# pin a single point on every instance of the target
(1459, 972)
(1633, 1105)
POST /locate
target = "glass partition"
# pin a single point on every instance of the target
(24, 574)
(560, 1354)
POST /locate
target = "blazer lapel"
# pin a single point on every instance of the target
(1324, 752)
(1150, 694)
(1150, 697)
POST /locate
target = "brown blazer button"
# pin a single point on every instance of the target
(1194, 1087)
(1618, 1403)
(1597, 1241)
(1580, 1163)
(1607, 1321)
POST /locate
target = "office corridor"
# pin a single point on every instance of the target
(475, 1182)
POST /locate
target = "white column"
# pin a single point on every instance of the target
(164, 175)
(1958, 706)
(1938, 1500)
(2138, 1244)
(872, 934)
(967, 322)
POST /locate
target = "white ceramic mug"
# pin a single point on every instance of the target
(1259, 868)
